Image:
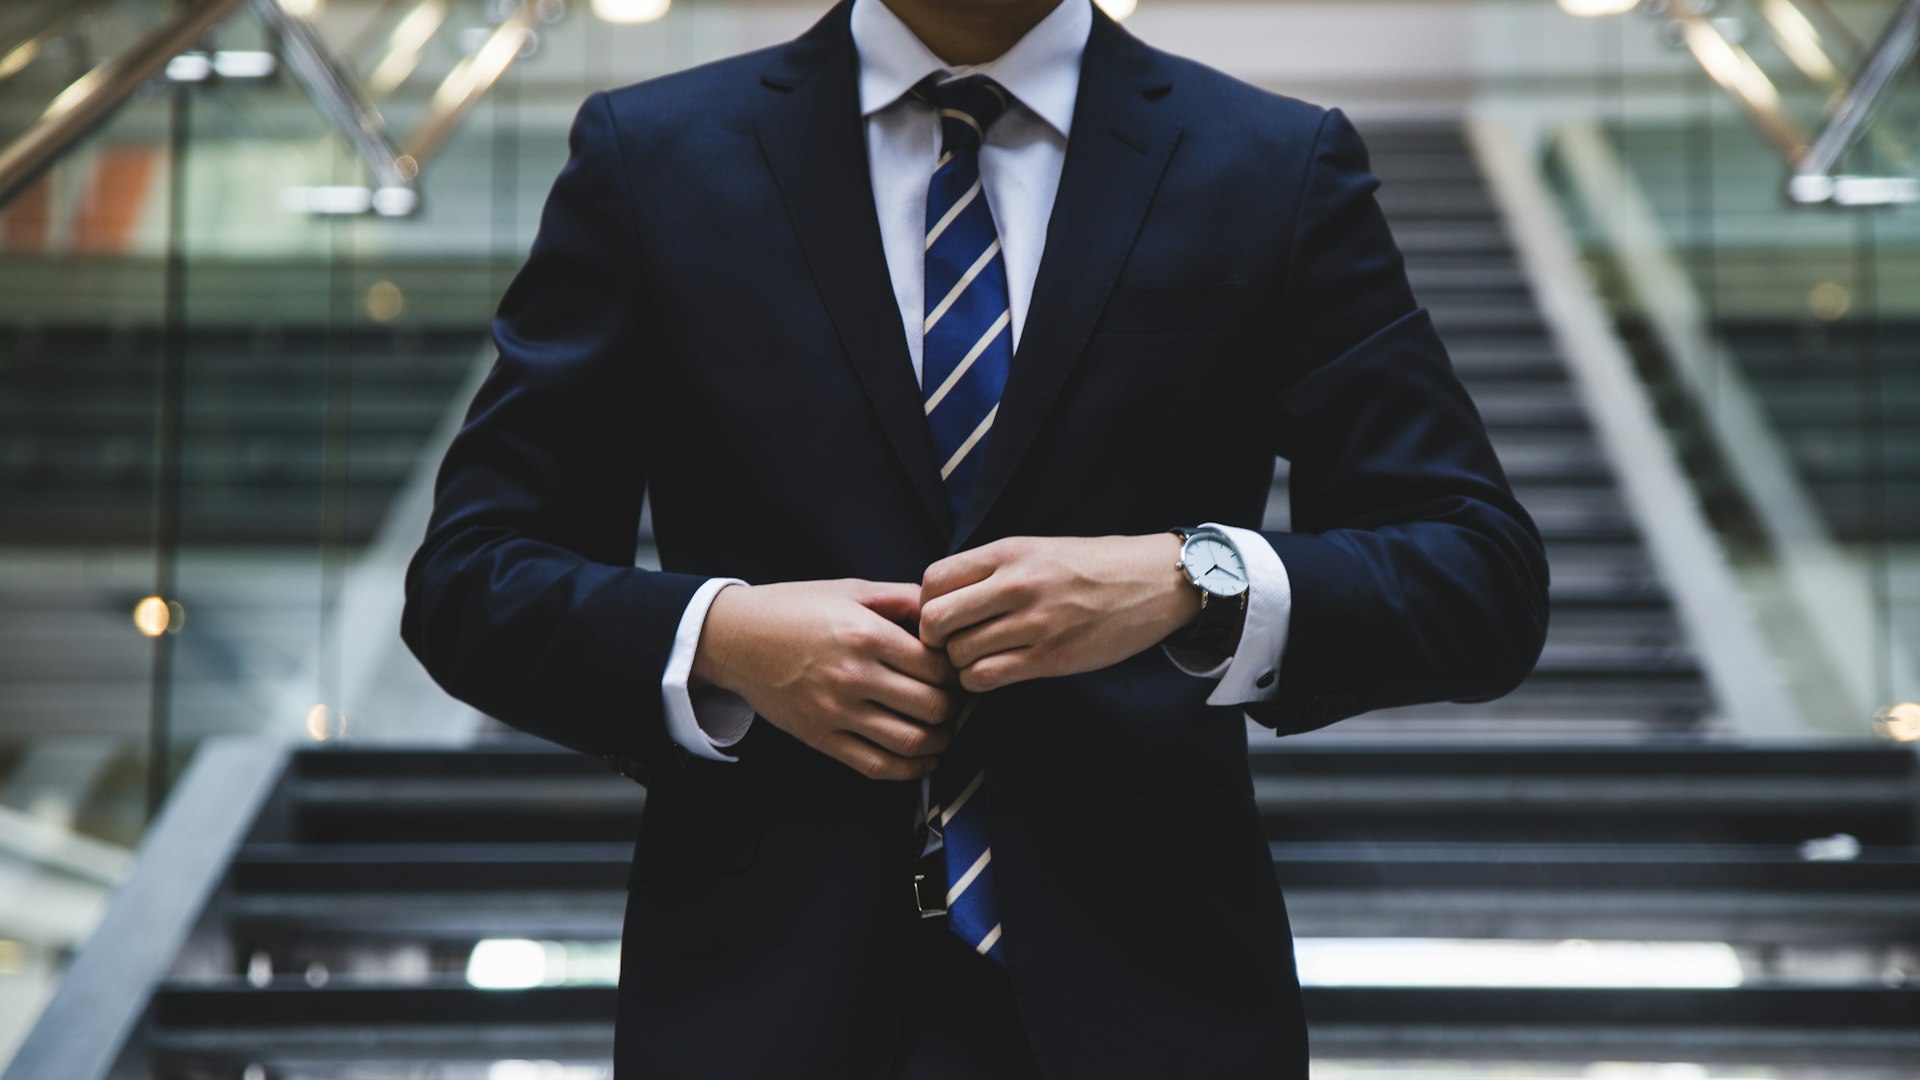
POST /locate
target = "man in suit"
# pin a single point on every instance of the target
(955, 342)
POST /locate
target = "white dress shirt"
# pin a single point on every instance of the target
(1020, 166)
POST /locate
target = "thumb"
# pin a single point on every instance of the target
(897, 601)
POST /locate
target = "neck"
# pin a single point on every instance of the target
(972, 31)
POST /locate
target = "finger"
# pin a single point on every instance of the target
(946, 615)
(895, 601)
(910, 697)
(981, 640)
(905, 738)
(960, 570)
(1000, 669)
(906, 654)
(871, 761)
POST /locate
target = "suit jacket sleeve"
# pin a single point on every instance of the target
(1416, 575)
(523, 600)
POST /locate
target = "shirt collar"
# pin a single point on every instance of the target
(1041, 71)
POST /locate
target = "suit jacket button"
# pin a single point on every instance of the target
(1320, 708)
(1265, 680)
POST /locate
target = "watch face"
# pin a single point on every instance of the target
(1215, 565)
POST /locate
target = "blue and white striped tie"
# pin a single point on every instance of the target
(967, 345)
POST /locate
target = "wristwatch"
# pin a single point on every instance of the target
(1215, 569)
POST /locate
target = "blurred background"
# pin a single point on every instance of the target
(248, 252)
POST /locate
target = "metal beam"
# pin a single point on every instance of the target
(106, 991)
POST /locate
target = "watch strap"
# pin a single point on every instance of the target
(1216, 628)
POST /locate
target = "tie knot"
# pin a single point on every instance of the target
(967, 107)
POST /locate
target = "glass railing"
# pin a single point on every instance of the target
(241, 306)
(227, 353)
(1776, 320)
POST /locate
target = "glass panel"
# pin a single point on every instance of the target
(219, 412)
(83, 288)
(329, 351)
(1791, 406)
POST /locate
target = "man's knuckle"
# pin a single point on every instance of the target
(845, 675)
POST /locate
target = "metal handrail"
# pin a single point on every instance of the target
(16, 58)
(1813, 179)
(1813, 159)
(469, 82)
(1733, 69)
(394, 172)
(338, 96)
(94, 96)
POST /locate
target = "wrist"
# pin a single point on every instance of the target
(1178, 601)
(727, 614)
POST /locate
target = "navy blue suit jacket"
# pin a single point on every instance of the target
(706, 318)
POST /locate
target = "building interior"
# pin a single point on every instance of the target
(249, 251)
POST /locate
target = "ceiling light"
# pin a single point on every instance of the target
(154, 616)
(1590, 9)
(631, 11)
(1900, 723)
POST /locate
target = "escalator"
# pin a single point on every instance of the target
(1817, 382)
(1617, 664)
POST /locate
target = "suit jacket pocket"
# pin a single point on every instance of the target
(1156, 310)
(712, 825)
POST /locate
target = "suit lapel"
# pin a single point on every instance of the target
(1119, 148)
(815, 143)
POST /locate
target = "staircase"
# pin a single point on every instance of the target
(289, 435)
(318, 914)
(1822, 385)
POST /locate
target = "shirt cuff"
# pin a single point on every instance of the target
(707, 719)
(1252, 673)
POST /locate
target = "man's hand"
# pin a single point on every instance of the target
(1031, 607)
(828, 663)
